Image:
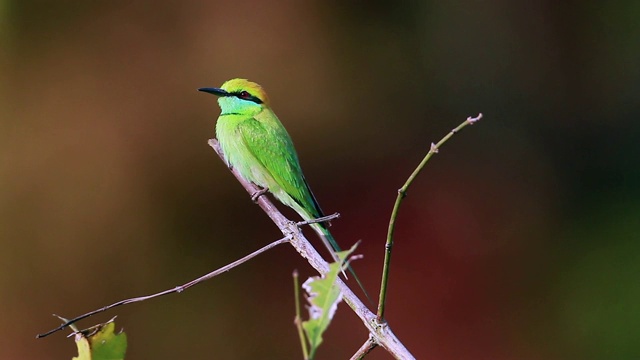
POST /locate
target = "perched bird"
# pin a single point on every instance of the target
(255, 143)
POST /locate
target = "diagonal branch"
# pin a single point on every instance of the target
(380, 333)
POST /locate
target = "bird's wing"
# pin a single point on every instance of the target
(273, 148)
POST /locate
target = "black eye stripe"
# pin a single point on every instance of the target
(245, 95)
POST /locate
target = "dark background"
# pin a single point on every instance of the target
(518, 241)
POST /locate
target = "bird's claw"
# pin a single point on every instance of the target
(256, 195)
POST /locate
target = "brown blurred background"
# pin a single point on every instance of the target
(519, 240)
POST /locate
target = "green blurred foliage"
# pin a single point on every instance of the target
(519, 241)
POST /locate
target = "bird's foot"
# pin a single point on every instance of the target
(256, 195)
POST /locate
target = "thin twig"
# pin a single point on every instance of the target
(298, 320)
(319, 220)
(380, 333)
(366, 348)
(177, 289)
(402, 193)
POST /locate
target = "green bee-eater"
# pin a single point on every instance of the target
(255, 143)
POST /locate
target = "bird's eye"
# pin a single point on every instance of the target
(244, 95)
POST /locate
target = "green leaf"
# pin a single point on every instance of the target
(101, 343)
(324, 296)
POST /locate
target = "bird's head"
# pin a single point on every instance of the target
(240, 96)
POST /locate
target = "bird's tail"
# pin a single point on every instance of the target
(333, 247)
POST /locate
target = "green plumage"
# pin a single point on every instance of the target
(261, 150)
(257, 145)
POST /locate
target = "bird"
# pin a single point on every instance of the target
(257, 145)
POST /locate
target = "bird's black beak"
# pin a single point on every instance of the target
(215, 91)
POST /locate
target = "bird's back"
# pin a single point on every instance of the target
(260, 148)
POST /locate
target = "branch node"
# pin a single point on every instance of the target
(379, 323)
(402, 192)
(473, 120)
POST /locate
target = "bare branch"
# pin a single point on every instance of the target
(177, 289)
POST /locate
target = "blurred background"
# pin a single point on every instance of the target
(520, 240)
